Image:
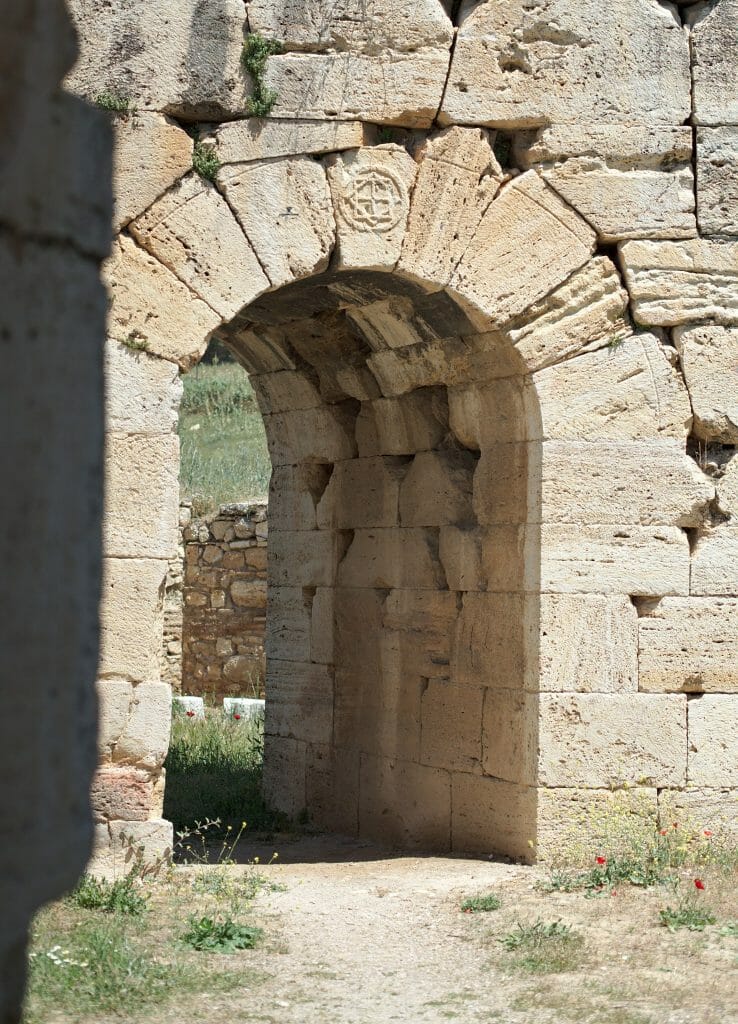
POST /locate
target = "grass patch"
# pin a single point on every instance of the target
(543, 948)
(223, 441)
(214, 771)
(122, 896)
(212, 935)
(81, 969)
(481, 904)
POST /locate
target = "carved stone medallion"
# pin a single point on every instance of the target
(375, 200)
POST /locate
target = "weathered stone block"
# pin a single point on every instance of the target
(516, 67)
(510, 736)
(586, 311)
(151, 153)
(122, 793)
(404, 804)
(674, 283)
(182, 59)
(596, 739)
(491, 816)
(507, 484)
(394, 88)
(457, 179)
(402, 558)
(713, 740)
(714, 810)
(585, 644)
(322, 627)
(627, 391)
(362, 493)
(392, 426)
(671, 489)
(717, 180)
(727, 488)
(294, 492)
(113, 703)
(145, 737)
(325, 434)
(141, 496)
(714, 26)
(378, 712)
(528, 235)
(642, 560)
(688, 644)
(304, 558)
(285, 210)
(438, 489)
(579, 824)
(400, 25)
(142, 393)
(284, 775)
(488, 414)
(451, 726)
(193, 232)
(131, 617)
(152, 309)
(300, 704)
(118, 845)
(490, 646)
(709, 358)
(288, 624)
(332, 788)
(241, 142)
(284, 391)
(371, 198)
(715, 563)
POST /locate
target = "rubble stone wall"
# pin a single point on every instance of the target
(224, 602)
(483, 275)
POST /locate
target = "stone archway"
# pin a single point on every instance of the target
(457, 672)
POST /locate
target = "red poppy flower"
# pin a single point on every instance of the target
(601, 860)
(699, 884)
(675, 824)
(237, 717)
(707, 832)
(664, 831)
(190, 714)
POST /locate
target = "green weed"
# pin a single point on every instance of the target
(205, 161)
(686, 915)
(481, 904)
(211, 935)
(136, 341)
(117, 897)
(256, 52)
(114, 102)
(544, 948)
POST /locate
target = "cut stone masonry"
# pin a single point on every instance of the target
(486, 530)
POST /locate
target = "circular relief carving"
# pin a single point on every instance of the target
(374, 201)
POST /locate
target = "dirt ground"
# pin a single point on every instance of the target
(361, 936)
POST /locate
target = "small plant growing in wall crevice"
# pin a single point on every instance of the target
(205, 161)
(256, 52)
(136, 341)
(114, 102)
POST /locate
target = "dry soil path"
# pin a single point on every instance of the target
(360, 936)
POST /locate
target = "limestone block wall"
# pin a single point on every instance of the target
(224, 602)
(54, 233)
(481, 264)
